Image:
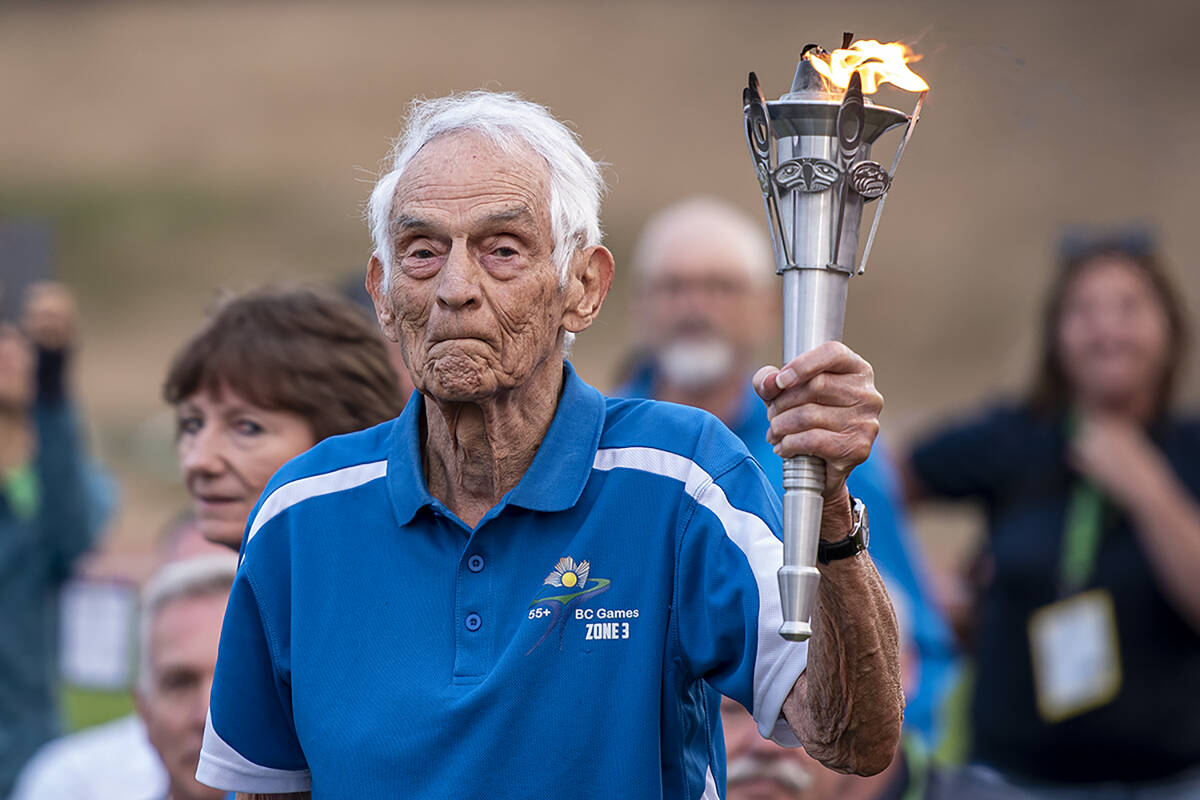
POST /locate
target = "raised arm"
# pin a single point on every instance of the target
(848, 705)
(49, 320)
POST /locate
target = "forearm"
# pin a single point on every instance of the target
(1167, 521)
(848, 705)
(63, 512)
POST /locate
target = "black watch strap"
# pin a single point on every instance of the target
(853, 544)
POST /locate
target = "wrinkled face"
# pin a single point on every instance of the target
(228, 449)
(758, 769)
(183, 653)
(1113, 333)
(475, 299)
(702, 311)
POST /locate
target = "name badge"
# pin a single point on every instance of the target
(1076, 657)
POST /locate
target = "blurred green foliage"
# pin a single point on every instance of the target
(83, 708)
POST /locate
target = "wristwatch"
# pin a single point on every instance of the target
(853, 544)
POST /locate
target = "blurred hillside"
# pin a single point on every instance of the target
(180, 149)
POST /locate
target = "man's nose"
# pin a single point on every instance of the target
(458, 279)
(760, 746)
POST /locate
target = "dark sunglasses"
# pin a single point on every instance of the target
(1080, 244)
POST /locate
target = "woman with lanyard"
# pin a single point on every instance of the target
(1087, 635)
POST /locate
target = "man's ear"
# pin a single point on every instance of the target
(383, 308)
(588, 282)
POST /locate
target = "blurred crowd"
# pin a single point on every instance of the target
(1069, 666)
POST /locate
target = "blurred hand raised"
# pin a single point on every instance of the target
(50, 316)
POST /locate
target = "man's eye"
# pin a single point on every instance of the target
(504, 252)
(188, 425)
(176, 681)
(424, 252)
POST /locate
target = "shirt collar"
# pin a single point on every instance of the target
(563, 463)
(556, 477)
(405, 476)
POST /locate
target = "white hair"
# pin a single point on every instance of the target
(508, 121)
(706, 216)
(198, 576)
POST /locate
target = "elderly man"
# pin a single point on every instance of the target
(116, 760)
(519, 588)
(182, 607)
(705, 289)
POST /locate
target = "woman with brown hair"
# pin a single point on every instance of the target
(270, 374)
(1087, 641)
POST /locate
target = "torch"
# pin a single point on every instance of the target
(811, 151)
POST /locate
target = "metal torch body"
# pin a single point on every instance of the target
(814, 210)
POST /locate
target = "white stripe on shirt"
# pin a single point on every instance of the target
(778, 662)
(302, 489)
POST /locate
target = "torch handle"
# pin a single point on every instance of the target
(803, 499)
(814, 308)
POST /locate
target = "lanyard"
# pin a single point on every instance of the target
(1084, 526)
(917, 759)
(1081, 539)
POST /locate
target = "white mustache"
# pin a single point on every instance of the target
(782, 770)
(695, 364)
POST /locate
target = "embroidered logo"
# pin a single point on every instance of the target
(569, 585)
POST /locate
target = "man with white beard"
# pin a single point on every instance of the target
(704, 303)
(706, 300)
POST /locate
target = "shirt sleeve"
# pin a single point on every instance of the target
(969, 458)
(727, 595)
(250, 742)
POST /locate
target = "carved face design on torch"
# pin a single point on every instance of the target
(807, 174)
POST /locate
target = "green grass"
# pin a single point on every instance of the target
(84, 708)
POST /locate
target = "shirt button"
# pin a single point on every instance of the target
(475, 563)
(474, 622)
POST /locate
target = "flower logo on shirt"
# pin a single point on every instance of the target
(566, 587)
(568, 574)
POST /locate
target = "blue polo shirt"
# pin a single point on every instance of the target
(375, 646)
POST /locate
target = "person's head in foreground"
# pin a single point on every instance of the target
(182, 608)
(704, 296)
(1114, 332)
(271, 373)
(758, 769)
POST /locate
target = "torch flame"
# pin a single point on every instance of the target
(875, 63)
